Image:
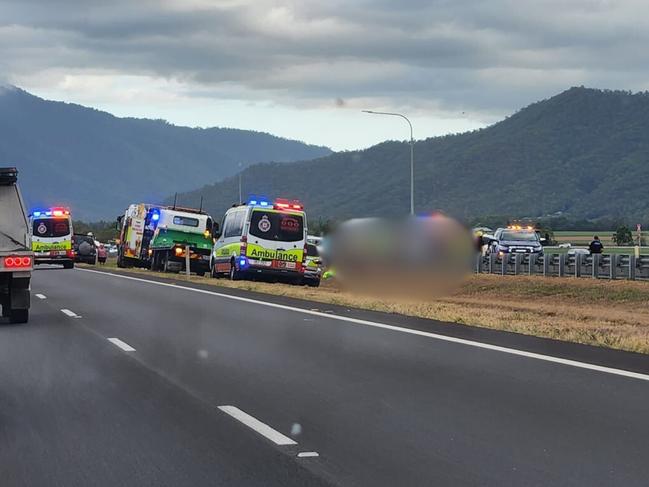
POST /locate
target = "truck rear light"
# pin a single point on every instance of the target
(70, 253)
(18, 262)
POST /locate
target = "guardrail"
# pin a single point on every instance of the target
(596, 266)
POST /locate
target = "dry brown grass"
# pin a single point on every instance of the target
(611, 314)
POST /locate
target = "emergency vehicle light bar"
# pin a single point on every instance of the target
(284, 204)
(254, 201)
(57, 212)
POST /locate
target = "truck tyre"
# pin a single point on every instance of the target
(18, 316)
(68, 265)
(200, 273)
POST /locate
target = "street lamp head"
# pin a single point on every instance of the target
(368, 111)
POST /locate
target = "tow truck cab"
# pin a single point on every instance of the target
(157, 237)
(16, 256)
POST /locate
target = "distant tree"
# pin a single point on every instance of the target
(623, 236)
(321, 227)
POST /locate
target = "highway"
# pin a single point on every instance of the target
(119, 381)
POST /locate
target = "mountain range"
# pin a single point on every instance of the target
(97, 163)
(582, 154)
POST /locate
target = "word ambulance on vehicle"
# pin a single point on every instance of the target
(158, 237)
(262, 238)
(51, 234)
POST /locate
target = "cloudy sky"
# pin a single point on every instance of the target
(304, 69)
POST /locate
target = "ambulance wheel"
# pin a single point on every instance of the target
(213, 272)
(200, 273)
(68, 265)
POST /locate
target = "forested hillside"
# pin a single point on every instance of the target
(583, 153)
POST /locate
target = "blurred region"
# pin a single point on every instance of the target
(417, 257)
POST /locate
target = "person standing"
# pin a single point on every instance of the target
(596, 247)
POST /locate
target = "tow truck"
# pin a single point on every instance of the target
(16, 256)
(158, 237)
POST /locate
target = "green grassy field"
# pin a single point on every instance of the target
(581, 238)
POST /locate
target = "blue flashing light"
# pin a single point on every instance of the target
(155, 216)
(48, 213)
(37, 213)
(258, 201)
(242, 262)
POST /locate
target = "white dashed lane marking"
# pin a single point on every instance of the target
(69, 313)
(261, 428)
(123, 345)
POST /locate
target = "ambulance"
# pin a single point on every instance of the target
(51, 236)
(262, 238)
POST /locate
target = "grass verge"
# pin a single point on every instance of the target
(613, 314)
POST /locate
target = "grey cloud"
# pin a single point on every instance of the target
(487, 56)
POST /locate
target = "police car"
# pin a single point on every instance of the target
(262, 238)
(515, 239)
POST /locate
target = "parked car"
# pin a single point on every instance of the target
(84, 249)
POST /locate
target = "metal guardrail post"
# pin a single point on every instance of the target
(596, 266)
(478, 263)
(632, 266)
(517, 263)
(577, 265)
(504, 260)
(531, 262)
(492, 262)
(562, 265)
(612, 266)
(546, 264)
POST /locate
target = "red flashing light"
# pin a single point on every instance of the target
(284, 204)
(59, 212)
(18, 262)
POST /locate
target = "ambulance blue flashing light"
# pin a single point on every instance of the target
(258, 202)
(242, 262)
(155, 216)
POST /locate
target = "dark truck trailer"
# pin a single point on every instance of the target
(16, 256)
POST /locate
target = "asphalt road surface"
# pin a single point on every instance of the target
(124, 382)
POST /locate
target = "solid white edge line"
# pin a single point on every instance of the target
(261, 428)
(462, 341)
(69, 313)
(40, 296)
(308, 454)
(123, 345)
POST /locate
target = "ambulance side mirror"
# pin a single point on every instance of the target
(118, 222)
(216, 231)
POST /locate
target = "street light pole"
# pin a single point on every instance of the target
(412, 155)
(240, 197)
